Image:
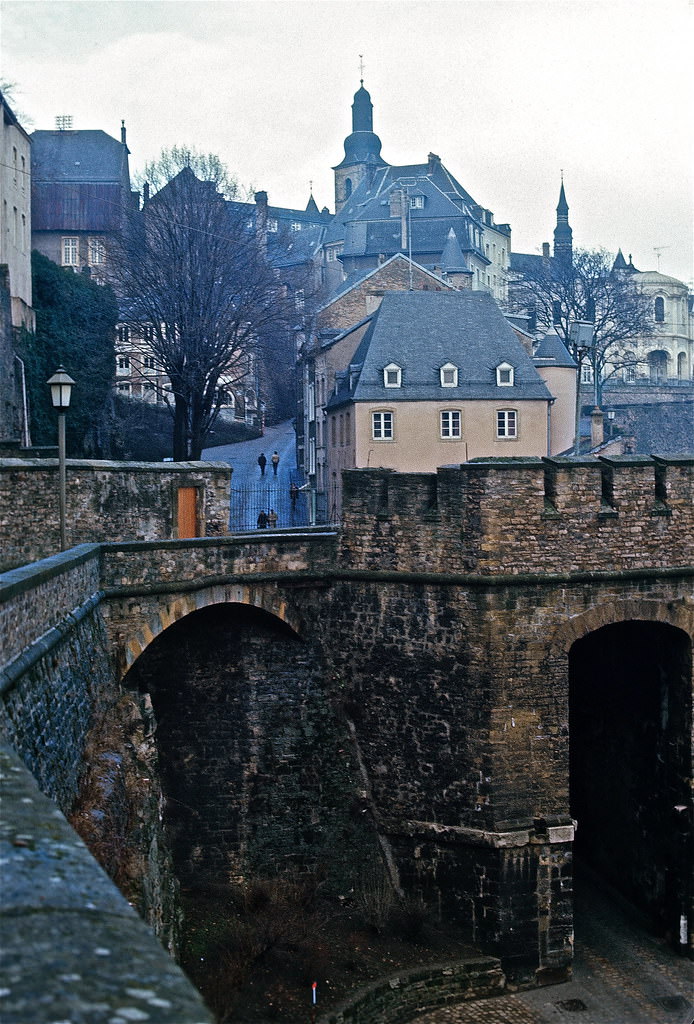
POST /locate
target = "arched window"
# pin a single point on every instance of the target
(348, 187)
(659, 309)
(682, 366)
(556, 311)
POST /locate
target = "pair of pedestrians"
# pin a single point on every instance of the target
(262, 462)
(267, 520)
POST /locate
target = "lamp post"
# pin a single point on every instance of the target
(581, 338)
(61, 389)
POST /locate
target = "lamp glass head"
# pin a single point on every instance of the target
(61, 384)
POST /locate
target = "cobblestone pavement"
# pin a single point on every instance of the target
(621, 976)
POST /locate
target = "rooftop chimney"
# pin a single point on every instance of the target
(122, 133)
(432, 162)
(545, 250)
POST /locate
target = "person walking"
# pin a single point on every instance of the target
(272, 519)
(262, 462)
(262, 520)
(275, 462)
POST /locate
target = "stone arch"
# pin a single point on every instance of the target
(678, 612)
(172, 608)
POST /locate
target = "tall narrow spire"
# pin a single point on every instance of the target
(563, 235)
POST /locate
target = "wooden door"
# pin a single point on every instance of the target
(187, 512)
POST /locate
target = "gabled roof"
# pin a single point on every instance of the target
(363, 275)
(77, 156)
(422, 331)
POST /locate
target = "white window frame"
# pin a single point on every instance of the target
(296, 226)
(331, 255)
(506, 424)
(123, 363)
(451, 424)
(416, 202)
(392, 370)
(272, 224)
(70, 250)
(96, 252)
(448, 369)
(505, 375)
(383, 425)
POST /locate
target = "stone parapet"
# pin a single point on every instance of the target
(104, 500)
(73, 948)
(537, 516)
(407, 994)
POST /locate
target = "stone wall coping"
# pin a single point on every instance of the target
(73, 947)
(403, 995)
(27, 577)
(311, 533)
(101, 465)
(501, 839)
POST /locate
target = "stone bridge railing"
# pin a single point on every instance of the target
(73, 946)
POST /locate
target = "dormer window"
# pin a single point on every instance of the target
(416, 202)
(504, 375)
(272, 224)
(448, 374)
(392, 376)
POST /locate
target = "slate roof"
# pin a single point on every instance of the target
(551, 351)
(76, 156)
(525, 262)
(365, 224)
(420, 332)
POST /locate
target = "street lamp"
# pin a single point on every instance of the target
(581, 338)
(61, 389)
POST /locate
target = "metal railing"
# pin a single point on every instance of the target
(285, 506)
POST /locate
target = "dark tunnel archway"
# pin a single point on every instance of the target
(630, 764)
(226, 685)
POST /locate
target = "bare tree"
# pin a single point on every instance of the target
(586, 287)
(196, 272)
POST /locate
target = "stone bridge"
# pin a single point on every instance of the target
(479, 659)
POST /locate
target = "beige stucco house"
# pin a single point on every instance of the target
(439, 378)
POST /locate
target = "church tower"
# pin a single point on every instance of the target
(362, 149)
(563, 235)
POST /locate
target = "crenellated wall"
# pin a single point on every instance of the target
(556, 515)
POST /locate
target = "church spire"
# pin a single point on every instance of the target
(563, 235)
(362, 149)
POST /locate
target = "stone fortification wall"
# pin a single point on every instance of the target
(555, 515)
(104, 501)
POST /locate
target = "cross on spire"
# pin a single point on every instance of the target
(361, 68)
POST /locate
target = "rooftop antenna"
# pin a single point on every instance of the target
(657, 249)
(63, 122)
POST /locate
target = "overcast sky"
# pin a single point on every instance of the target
(507, 92)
